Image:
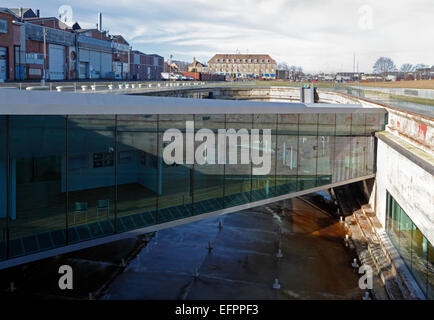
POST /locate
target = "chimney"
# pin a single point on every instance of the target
(99, 21)
(21, 14)
(37, 13)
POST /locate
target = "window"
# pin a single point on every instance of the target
(102, 159)
(411, 244)
(3, 26)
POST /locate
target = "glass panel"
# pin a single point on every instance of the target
(264, 185)
(343, 124)
(91, 177)
(3, 187)
(287, 153)
(325, 159)
(326, 145)
(326, 124)
(419, 258)
(395, 223)
(405, 232)
(138, 178)
(411, 245)
(307, 160)
(176, 188)
(37, 183)
(238, 174)
(342, 158)
(358, 124)
(209, 175)
(431, 271)
(358, 156)
(375, 122)
(308, 146)
(370, 154)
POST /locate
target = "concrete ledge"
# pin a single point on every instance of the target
(418, 156)
(38, 88)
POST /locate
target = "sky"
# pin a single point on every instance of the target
(318, 35)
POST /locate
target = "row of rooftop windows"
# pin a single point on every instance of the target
(243, 60)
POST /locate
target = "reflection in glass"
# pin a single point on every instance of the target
(3, 213)
(138, 170)
(209, 176)
(37, 203)
(176, 183)
(411, 244)
(91, 177)
(79, 177)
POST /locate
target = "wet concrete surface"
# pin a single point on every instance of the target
(92, 269)
(243, 262)
(241, 265)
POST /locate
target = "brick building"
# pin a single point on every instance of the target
(146, 66)
(243, 65)
(70, 52)
(10, 42)
(121, 49)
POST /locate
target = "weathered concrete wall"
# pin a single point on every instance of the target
(415, 129)
(409, 183)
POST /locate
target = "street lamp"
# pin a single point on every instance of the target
(44, 75)
(129, 62)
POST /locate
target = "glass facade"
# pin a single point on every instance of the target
(67, 179)
(412, 245)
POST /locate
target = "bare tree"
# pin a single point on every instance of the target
(283, 66)
(419, 70)
(420, 66)
(383, 66)
(407, 67)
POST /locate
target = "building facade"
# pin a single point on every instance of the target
(252, 66)
(100, 172)
(70, 52)
(196, 66)
(121, 51)
(146, 66)
(10, 44)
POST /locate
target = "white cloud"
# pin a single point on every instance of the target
(317, 34)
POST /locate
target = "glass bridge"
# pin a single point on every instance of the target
(80, 169)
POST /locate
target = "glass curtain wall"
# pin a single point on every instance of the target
(209, 174)
(3, 187)
(411, 244)
(176, 183)
(36, 189)
(73, 178)
(91, 177)
(138, 179)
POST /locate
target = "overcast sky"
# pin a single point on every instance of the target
(319, 35)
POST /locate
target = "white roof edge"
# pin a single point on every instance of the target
(16, 102)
